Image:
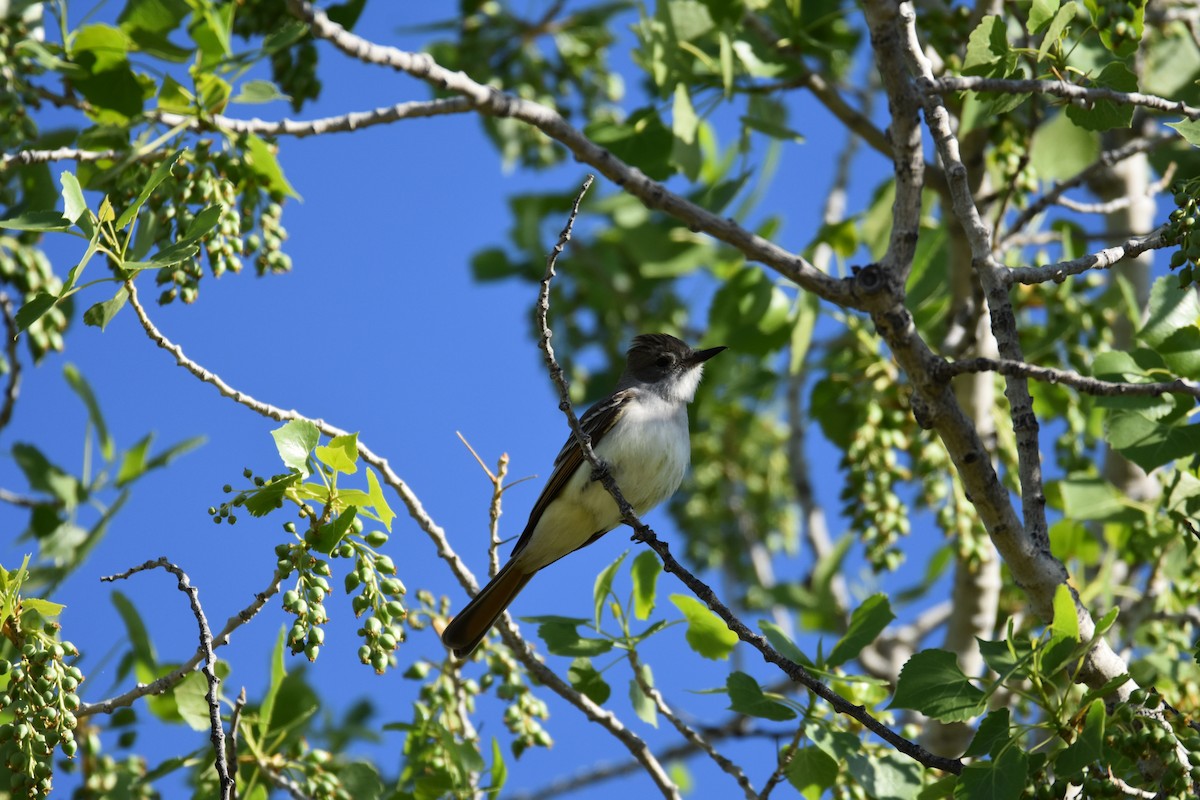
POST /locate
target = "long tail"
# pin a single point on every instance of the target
(469, 626)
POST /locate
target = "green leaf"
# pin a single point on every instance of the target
(933, 683)
(133, 461)
(706, 633)
(1121, 47)
(1148, 443)
(747, 697)
(261, 158)
(1056, 654)
(641, 141)
(999, 779)
(99, 315)
(1066, 622)
(1189, 129)
(80, 386)
(751, 314)
(75, 208)
(1088, 747)
(142, 648)
(683, 117)
(278, 673)
(35, 309)
(1062, 149)
(265, 500)
(643, 705)
(993, 732)
(259, 91)
(783, 643)
(294, 441)
(645, 571)
(812, 771)
(603, 585)
(101, 51)
(1172, 327)
(45, 608)
(154, 16)
(189, 699)
(561, 635)
(1062, 19)
(330, 535)
(158, 176)
(1104, 114)
(341, 454)
(587, 680)
(988, 51)
(866, 623)
(203, 222)
(213, 94)
(378, 502)
(1087, 498)
(286, 35)
(1041, 12)
(37, 221)
(498, 773)
(167, 256)
(43, 476)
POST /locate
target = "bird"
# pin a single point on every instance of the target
(640, 432)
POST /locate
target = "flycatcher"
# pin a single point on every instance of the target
(641, 432)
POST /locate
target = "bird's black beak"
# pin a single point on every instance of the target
(700, 356)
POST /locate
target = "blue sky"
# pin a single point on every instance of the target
(379, 329)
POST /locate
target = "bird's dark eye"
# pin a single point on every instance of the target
(664, 360)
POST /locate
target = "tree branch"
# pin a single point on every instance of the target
(1103, 259)
(930, 85)
(653, 195)
(228, 788)
(1106, 160)
(1083, 383)
(687, 732)
(13, 389)
(166, 682)
(1025, 547)
(344, 123)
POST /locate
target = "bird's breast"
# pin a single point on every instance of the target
(648, 451)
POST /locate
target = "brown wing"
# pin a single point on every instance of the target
(596, 422)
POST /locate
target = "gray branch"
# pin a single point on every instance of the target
(228, 787)
(1086, 96)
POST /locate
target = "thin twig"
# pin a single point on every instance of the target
(494, 514)
(642, 533)
(166, 682)
(785, 758)
(1086, 95)
(235, 721)
(26, 501)
(213, 696)
(281, 781)
(13, 389)
(299, 128)
(343, 123)
(1124, 201)
(1103, 259)
(686, 731)
(1083, 383)
(596, 773)
(24, 158)
(1105, 161)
